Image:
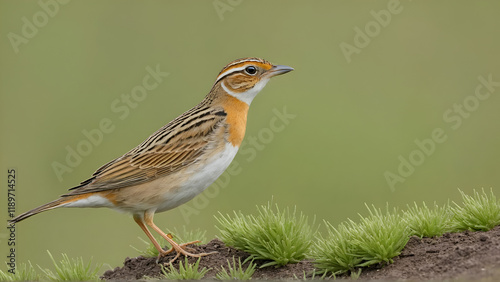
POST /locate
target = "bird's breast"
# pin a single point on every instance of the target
(199, 178)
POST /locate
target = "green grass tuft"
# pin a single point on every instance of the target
(376, 239)
(379, 237)
(186, 271)
(335, 253)
(236, 272)
(150, 250)
(71, 270)
(426, 222)
(480, 212)
(23, 273)
(180, 237)
(277, 235)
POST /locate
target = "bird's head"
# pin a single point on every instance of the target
(245, 78)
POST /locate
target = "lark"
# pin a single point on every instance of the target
(178, 161)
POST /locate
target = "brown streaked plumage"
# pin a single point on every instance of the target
(178, 161)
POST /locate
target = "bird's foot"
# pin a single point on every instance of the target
(183, 249)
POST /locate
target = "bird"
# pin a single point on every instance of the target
(178, 161)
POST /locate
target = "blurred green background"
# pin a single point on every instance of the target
(365, 87)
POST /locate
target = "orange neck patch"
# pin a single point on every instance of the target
(236, 118)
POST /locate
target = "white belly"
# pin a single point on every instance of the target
(171, 191)
(202, 177)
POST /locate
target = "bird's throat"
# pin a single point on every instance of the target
(236, 118)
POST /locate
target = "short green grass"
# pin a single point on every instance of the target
(281, 236)
(377, 238)
(428, 222)
(23, 273)
(381, 236)
(335, 253)
(186, 271)
(66, 270)
(236, 271)
(480, 212)
(313, 276)
(71, 270)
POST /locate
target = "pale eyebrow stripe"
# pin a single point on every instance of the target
(229, 71)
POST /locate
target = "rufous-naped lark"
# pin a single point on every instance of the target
(178, 161)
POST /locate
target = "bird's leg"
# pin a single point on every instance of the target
(148, 218)
(140, 221)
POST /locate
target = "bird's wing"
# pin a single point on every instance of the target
(175, 146)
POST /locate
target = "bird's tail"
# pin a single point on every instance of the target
(48, 206)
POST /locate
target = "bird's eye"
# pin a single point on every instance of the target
(251, 70)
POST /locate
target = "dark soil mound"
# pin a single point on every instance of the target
(469, 255)
(136, 268)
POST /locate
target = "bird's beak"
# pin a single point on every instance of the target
(279, 69)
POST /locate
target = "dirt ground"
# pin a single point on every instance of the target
(462, 256)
